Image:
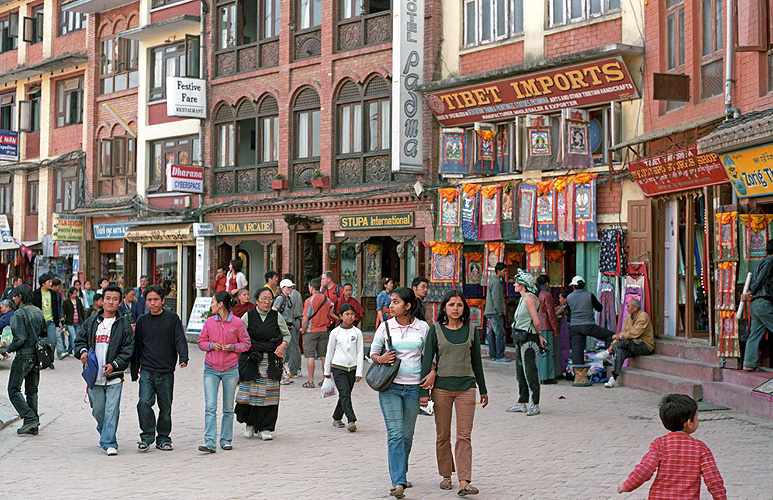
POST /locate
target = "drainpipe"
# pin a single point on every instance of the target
(729, 50)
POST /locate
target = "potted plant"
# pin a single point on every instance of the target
(318, 180)
(280, 182)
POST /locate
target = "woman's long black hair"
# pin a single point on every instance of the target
(226, 299)
(407, 296)
(442, 317)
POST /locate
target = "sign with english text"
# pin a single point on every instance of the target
(110, 231)
(677, 171)
(186, 97)
(376, 221)
(236, 228)
(185, 178)
(9, 145)
(68, 227)
(750, 170)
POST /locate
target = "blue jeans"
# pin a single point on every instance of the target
(71, 330)
(52, 337)
(400, 407)
(106, 406)
(762, 320)
(545, 364)
(496, 336)
(212, 380)
(155, 386)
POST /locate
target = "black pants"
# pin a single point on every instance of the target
(526, 371)
(155, 387)
(578, 336)
(627, 348)
(344, 383)
(261, 418)
(24, 370)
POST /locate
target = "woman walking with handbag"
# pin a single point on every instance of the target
(223, 337)
(454, 347)
(527, 344)
(404, 336)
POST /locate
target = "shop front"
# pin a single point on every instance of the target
(254, 243)
(61, 249)
(109, 255)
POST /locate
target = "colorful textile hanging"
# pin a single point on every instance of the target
(473, 268)
(486, 162)
(726, 241)
(564, 189)
(490, 226)
(576, 151)
(534, 256)
(546, 212)
(453, 155)
(503, 148)
(476, 311)
(449, 227)
(585, 208)
(513, 259)
(614, 250)
(554, 260)
(527, 195)
(445, 261)
(470, 200)
(756, 231)
(495, 253)
(727, 326)
(726, 282)
(509, 207)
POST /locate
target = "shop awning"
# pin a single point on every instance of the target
(745, 131)
(169, 233)
(8, 245)
(659, 134)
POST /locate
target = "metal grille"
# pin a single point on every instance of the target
(268, 106)
(349, 93)
(306, 99)
(377, 87)
(246, 110)
(712, 79)
(224, 114)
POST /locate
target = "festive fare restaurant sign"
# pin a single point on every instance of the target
(677, 171)
(574, 86)
(750, 170)
(376, 221)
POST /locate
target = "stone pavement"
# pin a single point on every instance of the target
(580, 447)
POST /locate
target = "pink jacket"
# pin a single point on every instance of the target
(230, 332)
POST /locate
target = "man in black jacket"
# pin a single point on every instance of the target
(27, 324)
(7, 292)
(159, 341)
(48, 301)
(111, 337)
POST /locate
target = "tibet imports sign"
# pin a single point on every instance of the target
(574, 86)
(750, 170)
(677, 171)
(236, 228)
(376, 221)
(185, 178)
(9, 145)
(186, 97)
(68, 227)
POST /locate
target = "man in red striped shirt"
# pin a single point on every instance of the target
(679, 459)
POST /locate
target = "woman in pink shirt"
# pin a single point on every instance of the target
(222, 338)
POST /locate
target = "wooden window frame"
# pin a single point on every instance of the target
(33, 195)
(64, 185)
(9, 32)
(168, 52)
(6, 194)
(65, 91)
(512, 16)
(29, 110)
(189, 144)
(606, 10)
(312, 13)
(157, 4)
(122, 154)
(32, 32)
(67, 18)
(310, 134)
(8, 111)
(121, 62)
(717, 42)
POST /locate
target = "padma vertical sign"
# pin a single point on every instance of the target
(407, 75)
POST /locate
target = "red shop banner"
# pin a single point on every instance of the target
(677, 171)
(573, 86)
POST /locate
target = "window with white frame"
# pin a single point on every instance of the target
(487, 21)
(571, 11)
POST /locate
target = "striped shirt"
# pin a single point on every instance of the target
(409, 343)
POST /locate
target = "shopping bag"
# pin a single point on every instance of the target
(328, 388)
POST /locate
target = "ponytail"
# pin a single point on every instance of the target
(226, 299)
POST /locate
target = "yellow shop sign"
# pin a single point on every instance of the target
(376, 221)
(750, 170)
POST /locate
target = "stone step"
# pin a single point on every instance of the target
(661, 383)
(745, 379)
(685, 350)
(678, 367)
(738, 398)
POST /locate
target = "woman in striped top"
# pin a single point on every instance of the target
(400, 403)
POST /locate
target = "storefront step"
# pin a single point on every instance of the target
(745, 379)
(678, 367)
(661, 383)
(683, 350)
(738, 398)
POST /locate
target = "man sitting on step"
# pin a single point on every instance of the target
(635, 339)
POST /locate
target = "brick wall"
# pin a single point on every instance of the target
(500, 56)
(584, 38)
(609, 200)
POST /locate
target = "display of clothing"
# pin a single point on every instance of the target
(608, 315)
(612, 258)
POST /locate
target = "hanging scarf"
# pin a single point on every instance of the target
(510, 231)
(470, 202)
(585, 209)
(449, 228)
(526, 206)
(454, 152)
(490, 212)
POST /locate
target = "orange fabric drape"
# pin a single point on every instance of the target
(513, 258)
(544, 187)
(562, 182)
(555, 255)
(476, 302)
(487, 135)
(584, 178)
(473, 256)
(726, 217)
(471, 189)
(443, 248)
(726, 265)
(449, 194)
(756, 222)
(490, 191)
(536, 247)
(495, 246)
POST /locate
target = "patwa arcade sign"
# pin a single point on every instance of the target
(376, 221)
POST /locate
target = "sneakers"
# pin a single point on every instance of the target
(338, 424)
(265, 436)
(504, 359)
(206, 449)
(111, 452)
(603, 355)
(352, 427)
(533, 410)
(249, 431)
(62, 356)
(611, 383)
(517, 408)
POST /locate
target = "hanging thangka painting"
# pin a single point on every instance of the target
(495, 253)
(726, 283)
(453, 152)
(449, 226)
(477, 306)
(490, 229)
(510, 230)
(546, 212)
(756, 228)
(470, 201)
(534, 257)
(445, 261)
(727, 241)
(564, 192)
(473, 262)
(576, 152)
(539, 142)
(585, 207)
(526, 204)
(486, 161)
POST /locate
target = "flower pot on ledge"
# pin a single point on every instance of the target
(280, 184)
(320, 182)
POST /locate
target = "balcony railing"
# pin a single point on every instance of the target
(308, 43)
(364, 31)
(250, 57)
(244, 180)
(367, 169)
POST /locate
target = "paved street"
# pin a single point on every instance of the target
(580, 447)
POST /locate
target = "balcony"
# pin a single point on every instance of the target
(364, 31)
(356, 170)
(244, 180)
(250, 57)
(308, 44)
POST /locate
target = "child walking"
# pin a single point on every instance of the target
(344, 364)
(679, 459)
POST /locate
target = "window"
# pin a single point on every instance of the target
(33, 25)
(268, 131)
(6, 193)
(8, 111)
(69, 102)
(244, 22)
(29, 111)
(119, 65)
(160, 3)
(307, 125)
(66, 195)
(9, 32)
(355, 8)
(712, 70)
(675, 34)
(70, 21)
(571, 11)
(32, 193)
(173, 151)
(181, 59)
(309, 13)
(489, 20)
(117, 166)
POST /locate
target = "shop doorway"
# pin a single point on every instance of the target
(308, 264)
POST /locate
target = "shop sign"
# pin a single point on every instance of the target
(186, 97)
(111, 231)
(750, 170)
(203, 229)
(202, 262)
(5, 230)
(376, 221)
(237, 228)
(195, 319)
(68, 227)
(574, 86)
(677, 171)
(172, 235)
(9, 145)
(67, 249)
(185, 178)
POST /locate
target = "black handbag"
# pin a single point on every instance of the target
(381, 375)
(518, 334)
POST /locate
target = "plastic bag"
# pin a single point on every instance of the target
(6, 337)
(328, 388)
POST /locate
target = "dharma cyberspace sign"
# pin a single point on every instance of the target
(185, 178)
(574, 86)
(186, 97)
(376, 221)
(68, 227)
(750, 170)
(236, 228)
(677, 171)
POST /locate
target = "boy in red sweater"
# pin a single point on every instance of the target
(679, 459)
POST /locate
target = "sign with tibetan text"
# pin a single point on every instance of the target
(68, 227)
(185, 178)
(407, 75)
(750, 170)
(677, 171)
(574, 86)
(236, 228)
(9, 145)
(186, 97)
(110, 231)
(376, 221)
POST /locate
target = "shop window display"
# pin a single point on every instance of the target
(349, 266)
(111, 267)
(163, 272)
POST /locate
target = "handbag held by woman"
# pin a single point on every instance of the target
(381, 375)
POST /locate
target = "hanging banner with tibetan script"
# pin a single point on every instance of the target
(490, 197)
(526, 202)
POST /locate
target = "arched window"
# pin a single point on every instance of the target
(307, 137)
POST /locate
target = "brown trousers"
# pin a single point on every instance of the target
(445, 401)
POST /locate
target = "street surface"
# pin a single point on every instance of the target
(580, 447)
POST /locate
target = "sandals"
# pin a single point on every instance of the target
(165, 447)
(746, 369)
(469, 490)
(308, 385)
(398, 491)
(445, 484)
(143, 447)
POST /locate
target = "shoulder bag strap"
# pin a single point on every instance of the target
(388, 336)
(324, 299)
